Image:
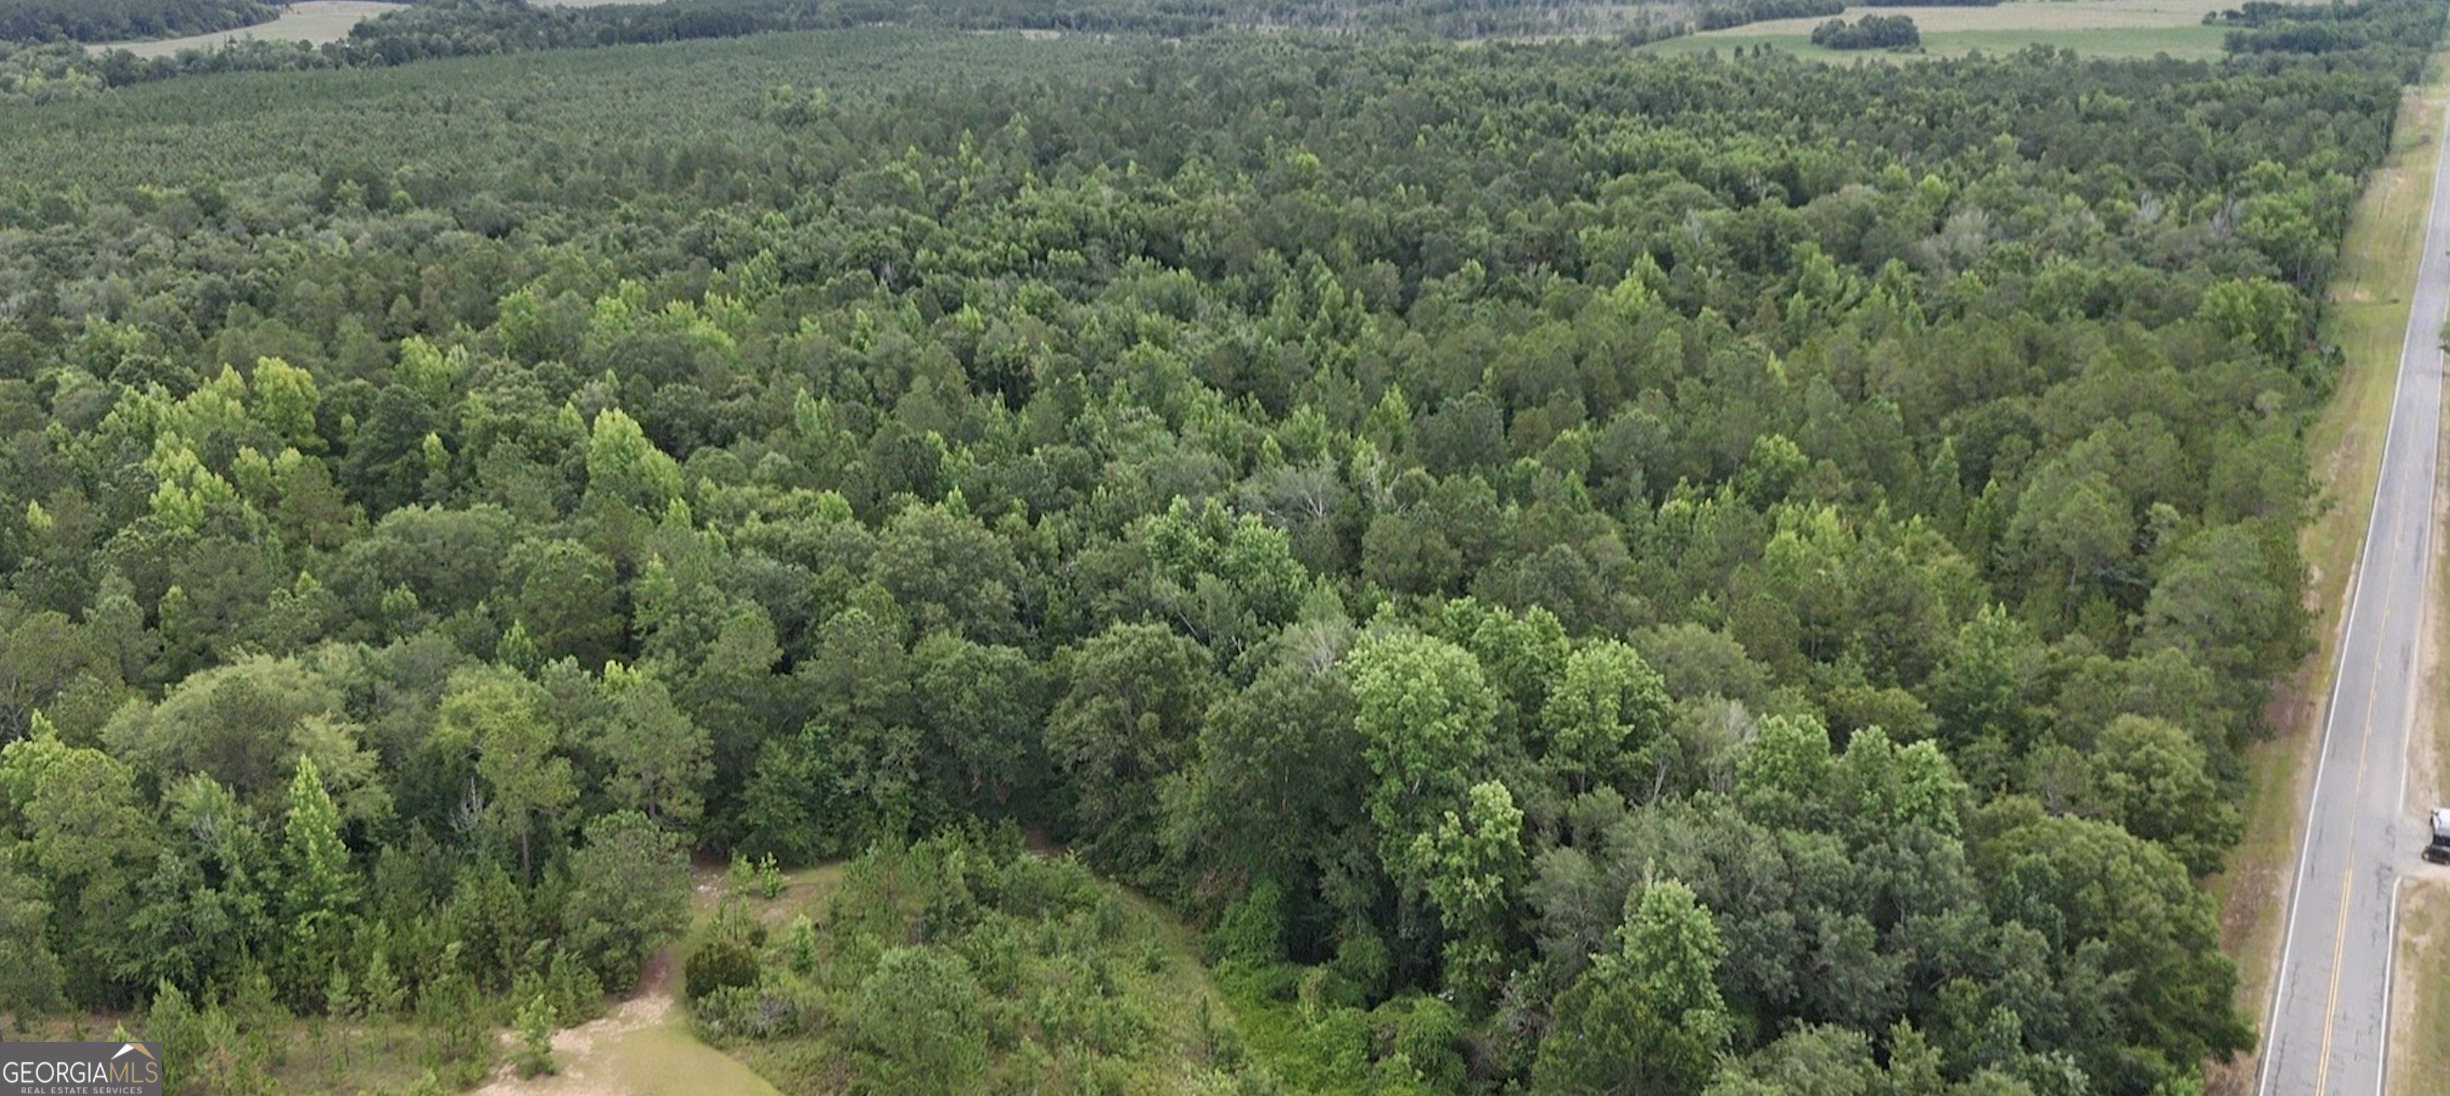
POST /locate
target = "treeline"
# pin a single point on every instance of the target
(2258, 13)
(450, 27)
(1869, 32)
(1722, 16)
(2401, 29)
(1584, 538)
(116, 20)
(454, 28)
(445, 27)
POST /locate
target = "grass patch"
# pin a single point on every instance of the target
(665, 1060)
(803, 891)
(2420, 1049)
(2193, 42)
(2366, 318)
(368, 1056)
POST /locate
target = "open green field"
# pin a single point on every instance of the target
(2108, 28)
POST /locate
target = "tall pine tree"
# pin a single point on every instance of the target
(319, 888)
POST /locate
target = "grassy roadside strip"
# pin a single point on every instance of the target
(2420, 1045)
(2367, 319)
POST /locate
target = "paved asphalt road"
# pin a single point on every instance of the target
(2330, 1012)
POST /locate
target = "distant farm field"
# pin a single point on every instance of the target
(308, 21)
(2109, 28)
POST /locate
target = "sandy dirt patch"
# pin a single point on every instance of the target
(643, 1047)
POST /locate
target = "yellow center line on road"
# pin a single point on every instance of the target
(2347, 875)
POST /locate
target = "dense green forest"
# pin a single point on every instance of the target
(114, 20)
(1579, 572)
(433, 29)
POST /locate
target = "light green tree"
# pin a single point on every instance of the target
(248, 725)
(318, 885)
(1424, 712)
(1646, 1017)
(1882, 786)
(624, 467)
(1604, 718)
(502, 718)
(535, 1024)
(1669, 948)
(1471, 865)
(1784, 773)
(285, 400)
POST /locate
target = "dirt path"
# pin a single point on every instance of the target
(587, 1069)
(643, 1047)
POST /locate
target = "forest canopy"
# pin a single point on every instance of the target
(1575, 569)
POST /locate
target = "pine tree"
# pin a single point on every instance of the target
(319, 887)
(383, 994)
(536, 1037)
